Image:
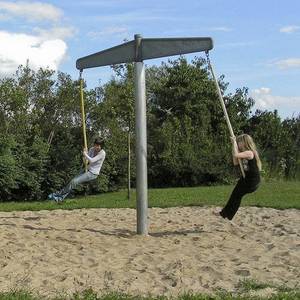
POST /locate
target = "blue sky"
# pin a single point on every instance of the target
(256, 43)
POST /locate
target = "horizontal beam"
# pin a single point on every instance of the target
(123, 53)
(149, 48)
(155, 48)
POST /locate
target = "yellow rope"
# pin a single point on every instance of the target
(83, 118)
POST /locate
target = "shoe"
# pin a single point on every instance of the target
(58, 199)
(51, 196)
(217, 213)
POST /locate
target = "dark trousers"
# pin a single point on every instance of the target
(242, 188)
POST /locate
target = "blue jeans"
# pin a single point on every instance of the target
(81, 178)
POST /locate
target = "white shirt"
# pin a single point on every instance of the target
(95, 161)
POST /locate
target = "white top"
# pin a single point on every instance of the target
(95, 161)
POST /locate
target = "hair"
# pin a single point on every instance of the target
(99, 141)
(249, 145)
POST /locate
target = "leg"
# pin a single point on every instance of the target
(234, 201)
(85, 177)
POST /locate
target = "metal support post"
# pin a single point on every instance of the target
(141, 143)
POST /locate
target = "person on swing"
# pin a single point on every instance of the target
(95, 157)
(243, 148)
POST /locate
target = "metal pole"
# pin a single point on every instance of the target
(129, 165)
(141, 142)
(223, 106)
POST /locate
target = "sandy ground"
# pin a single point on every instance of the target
(188, 250)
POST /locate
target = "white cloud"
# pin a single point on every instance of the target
(17, 48)
(109, 31)
(55, 32)
(289, 29)
(265, 100)
(42, 47)
(221, 28)
(32, 11)
(287, 63)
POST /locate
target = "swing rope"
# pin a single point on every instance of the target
(223, 105)
(83, 117)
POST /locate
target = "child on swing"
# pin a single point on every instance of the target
(95, 157)
(244, 149)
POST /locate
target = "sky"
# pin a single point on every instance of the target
(256, 43)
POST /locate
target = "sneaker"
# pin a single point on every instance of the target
(217, 213)
(51, 196)
(58, 198)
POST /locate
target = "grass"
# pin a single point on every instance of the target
(248, 287)
(277, 194)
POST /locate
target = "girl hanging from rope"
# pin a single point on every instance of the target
(95, 157)
(244, 149)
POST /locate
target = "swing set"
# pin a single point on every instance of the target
(137, 51)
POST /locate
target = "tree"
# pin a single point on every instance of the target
(266, 128)
(188, 138)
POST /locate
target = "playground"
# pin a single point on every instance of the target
(149, 150)
(188, 249)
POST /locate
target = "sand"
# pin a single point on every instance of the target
(187, 250)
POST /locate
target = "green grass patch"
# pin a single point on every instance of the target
(250, 285)
(91, 295)
(277, 194)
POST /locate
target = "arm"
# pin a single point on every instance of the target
(234, 152)
(99, 156)
(236, 155)
(245, 154)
